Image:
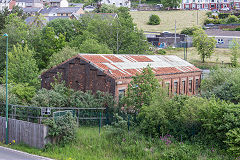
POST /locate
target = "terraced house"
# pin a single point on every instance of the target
(112, 73)
(210, 4)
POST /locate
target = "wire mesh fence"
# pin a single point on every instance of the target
(84, 116)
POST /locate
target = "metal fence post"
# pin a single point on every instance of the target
(100, 122)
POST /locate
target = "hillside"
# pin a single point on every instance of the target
(184, 19)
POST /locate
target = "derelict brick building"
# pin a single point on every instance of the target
(112, 73)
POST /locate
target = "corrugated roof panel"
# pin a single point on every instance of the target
(132, 71)
(102, 66)
(128, 65)
(113, 58)
(95, 58)
(141, 58)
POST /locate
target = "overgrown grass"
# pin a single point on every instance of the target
(221, 57)
(127, 145)
(183, 18)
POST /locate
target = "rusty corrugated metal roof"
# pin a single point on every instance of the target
(120, 66)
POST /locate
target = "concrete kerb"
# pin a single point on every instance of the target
(26, 154)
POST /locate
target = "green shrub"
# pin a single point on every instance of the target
(237, 29)
(161, 51)
(24, 92)
(232, 19)
(223, 15)
(222, 83)
(212, 21)
(209, 14)
(189, 30)
(12, 98)
(62, 129)
(233, 141)
(154, 20)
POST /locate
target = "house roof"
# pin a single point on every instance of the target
(31, 10)
(4, 1)
(60, 10)
(30, 20)
(126, 66)
(101, 15)
(76, 4)
(26, 1)
(221, 33)
(54, 1)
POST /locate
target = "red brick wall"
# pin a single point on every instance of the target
(80, 75)
(170, 78)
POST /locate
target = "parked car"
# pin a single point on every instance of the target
(225, 9)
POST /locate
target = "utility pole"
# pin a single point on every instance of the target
(5, 35)
(197, 17)
(175, 40)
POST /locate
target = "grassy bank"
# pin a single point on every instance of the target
(90, 146)
(184, 19)
(221, 56)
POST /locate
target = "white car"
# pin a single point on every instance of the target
(225, 9)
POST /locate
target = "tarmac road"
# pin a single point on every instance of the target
(10, 154)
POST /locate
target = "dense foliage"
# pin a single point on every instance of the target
(154, 20)
(62, 96)
(189, 31)
(222, 83)
(62, 129)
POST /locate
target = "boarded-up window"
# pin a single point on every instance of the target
(190, 86)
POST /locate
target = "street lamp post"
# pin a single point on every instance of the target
(5, 35)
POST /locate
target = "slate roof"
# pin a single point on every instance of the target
(126, 66)
(29, 20)
(60, 10)
(26, 1)
(31, 10)
(4, 1)
(221, 33)
(76, 4)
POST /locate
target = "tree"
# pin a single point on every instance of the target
(68, 27)
(93, 46)
(17, 32)
(154, 20)
(104, 8)
(171, 4)
(59, 57)
(235, 53)
(205, 45)
(22, 66)
(48, 44)
(142, 89)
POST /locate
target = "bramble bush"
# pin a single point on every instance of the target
(62, 129)
(62, 96)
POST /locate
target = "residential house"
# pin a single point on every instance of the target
(117, 3)
(6, 4)
(224, 38)
(209, 4)
(61, 11)
(31, 10)
(58, 3)
(112, 73)
(31, 20)
(89, 8)
(29, 3)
